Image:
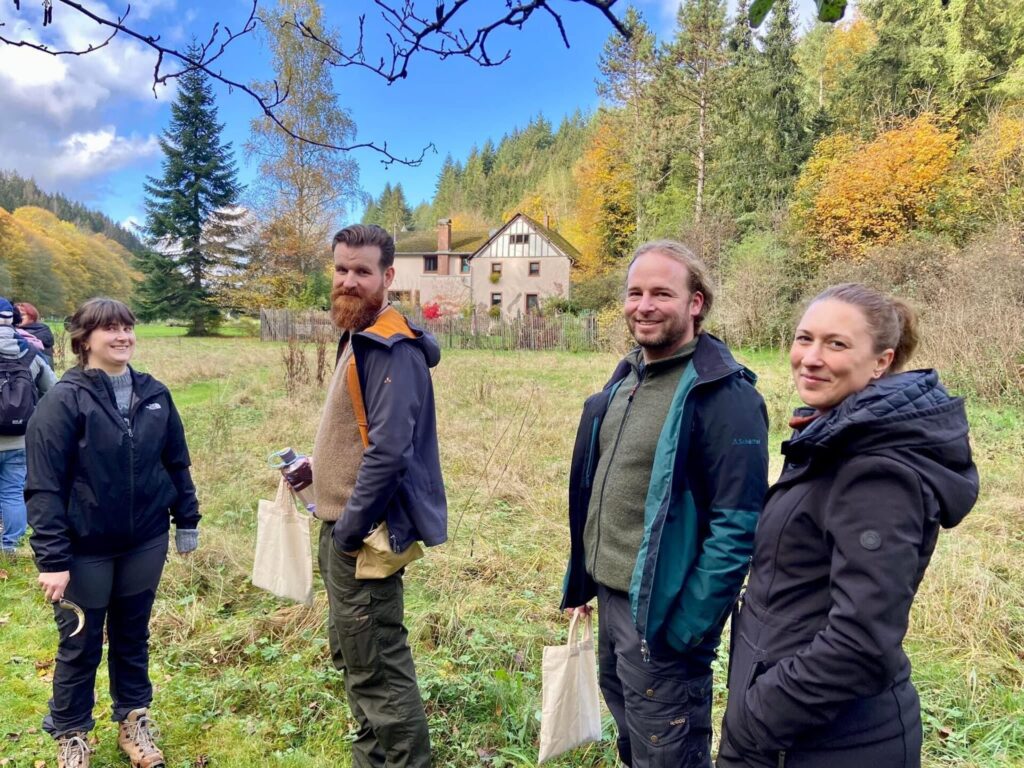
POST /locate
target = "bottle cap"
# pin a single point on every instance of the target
(282, 458)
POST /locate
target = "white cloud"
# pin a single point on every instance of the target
(62, 87)
(91, 153)
(66, 119)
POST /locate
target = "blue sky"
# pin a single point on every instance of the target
(87, 126)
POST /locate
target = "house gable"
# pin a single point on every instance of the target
(522, 237)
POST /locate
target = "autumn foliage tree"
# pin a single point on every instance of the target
(56, 266)
(607, 196)
(855, 195)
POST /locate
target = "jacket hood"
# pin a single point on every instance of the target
(910, 418)
(424, 340)
(10, 345)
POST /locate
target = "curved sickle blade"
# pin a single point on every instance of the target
(79, 614)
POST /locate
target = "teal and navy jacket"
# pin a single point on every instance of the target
(707, 485)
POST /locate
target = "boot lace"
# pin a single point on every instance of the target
(74, 751)
(143, 733)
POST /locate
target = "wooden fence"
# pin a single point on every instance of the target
(304, 325)
(479, 331)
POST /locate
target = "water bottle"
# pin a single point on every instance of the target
(298, 473)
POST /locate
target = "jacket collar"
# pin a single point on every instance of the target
(712, 360)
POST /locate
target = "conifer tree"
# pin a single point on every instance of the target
(191, 215)
(738, 176)
(696, 61)
(785, 135)
(395, 214)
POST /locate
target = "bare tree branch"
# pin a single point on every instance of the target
(438, 36)
(410, 33)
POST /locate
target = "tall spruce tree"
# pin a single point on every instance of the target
(192, 220)
(738, 173)
(628, 70)
(697, 59)
(786, 142)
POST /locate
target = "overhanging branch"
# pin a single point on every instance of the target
(410, 32)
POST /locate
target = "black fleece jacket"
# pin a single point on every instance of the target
(98, 485)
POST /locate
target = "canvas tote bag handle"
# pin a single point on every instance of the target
(284, 499)
(573, 643)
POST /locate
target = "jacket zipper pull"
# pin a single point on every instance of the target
(645, 652)
(782, 759)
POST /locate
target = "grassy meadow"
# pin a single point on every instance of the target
(243, 679)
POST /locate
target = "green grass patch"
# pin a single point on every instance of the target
(244, 679)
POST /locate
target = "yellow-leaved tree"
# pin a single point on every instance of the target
(854, 195)
(606, 209)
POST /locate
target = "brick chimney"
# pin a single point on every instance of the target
(444, 234)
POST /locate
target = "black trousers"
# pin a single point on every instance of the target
(117, 590)
(661, 706)
(370, 644)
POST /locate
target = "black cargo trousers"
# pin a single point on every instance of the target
(370, 644)
(661, 703)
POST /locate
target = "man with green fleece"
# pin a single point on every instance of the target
(668, 474)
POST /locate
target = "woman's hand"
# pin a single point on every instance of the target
(54, 584)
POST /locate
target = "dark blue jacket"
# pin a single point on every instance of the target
(400, 479)
(844, 540)
(709, 478)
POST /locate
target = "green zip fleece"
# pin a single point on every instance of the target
(628, 439)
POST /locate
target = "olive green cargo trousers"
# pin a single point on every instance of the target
(369, 643)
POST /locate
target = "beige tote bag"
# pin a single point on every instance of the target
(571, 707)
(284, 554)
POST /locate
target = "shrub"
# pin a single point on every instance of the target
(612, 333)
(758, 287)
(971, 302)
(431, 311)
(595, 292)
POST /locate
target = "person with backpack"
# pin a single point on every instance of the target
(24, 378)
(108, 471)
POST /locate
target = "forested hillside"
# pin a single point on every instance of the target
(886, 148)
(56, 265)
(16, 191)
(909, 117)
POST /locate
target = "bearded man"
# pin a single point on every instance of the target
(376, 470)
(668, 474)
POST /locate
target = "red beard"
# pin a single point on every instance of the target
(351, 312)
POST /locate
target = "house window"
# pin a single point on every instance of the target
(519, 239)
(534, 269)
(495, 267)
(495, 299)
(464, 266)
(430, 263)
(532, 304)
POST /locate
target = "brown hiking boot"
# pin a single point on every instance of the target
(74, 751)
(136, 739)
